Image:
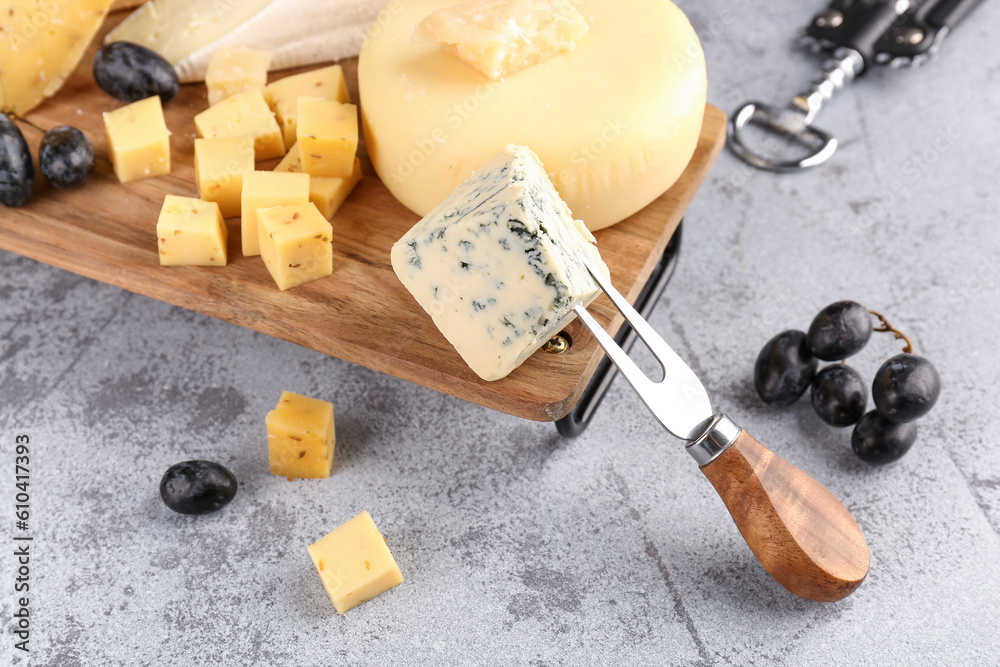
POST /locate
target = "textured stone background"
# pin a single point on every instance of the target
(518, 546)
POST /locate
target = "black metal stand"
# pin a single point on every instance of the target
(578, 419)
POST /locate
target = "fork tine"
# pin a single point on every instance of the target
(633, 374)
(657, 346)
(679, 400)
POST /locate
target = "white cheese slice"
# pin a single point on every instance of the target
(496, 264)
(296, 32)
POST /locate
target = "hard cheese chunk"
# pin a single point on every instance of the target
(300, 437)
(41, 42)
(264, 189)
(219, 165)
(327, 193)
(191, 232)
(500, 37)
(295, 243)
(244, 114)
(327, 137)
(325, 83)
(233, 69)
(354, 563)
(138, 140)
(496, 265)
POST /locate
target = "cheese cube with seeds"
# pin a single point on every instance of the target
(295, 243)
(219, 165)
(327, 192)
(327, 134)
(354, 563)
(191, 232)
(300, 437)
(244, 114)
(138, 140)
(233, 69)
(263, 189)
(325, 83)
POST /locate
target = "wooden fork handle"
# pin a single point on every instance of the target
(802, 535)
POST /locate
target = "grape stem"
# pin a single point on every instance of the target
(13, 115)
(897, 334)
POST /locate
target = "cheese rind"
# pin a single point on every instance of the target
(191, 232)
(138, 140)
(615, 121)
(496, 265)
(354, 563)
(500, 37)
(41, 43)
(301, 437)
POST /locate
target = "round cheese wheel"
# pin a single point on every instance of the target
(615, 120)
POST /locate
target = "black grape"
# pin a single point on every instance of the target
(839, 330)
(17, 171)
(784, 369)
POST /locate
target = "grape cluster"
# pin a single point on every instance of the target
(905, 387)
(126, 71)
(66, 158)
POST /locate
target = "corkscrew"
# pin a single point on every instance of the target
(856, 34)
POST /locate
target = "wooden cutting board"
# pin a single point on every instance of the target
(106, 231)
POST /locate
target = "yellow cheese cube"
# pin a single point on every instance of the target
(138, 140)
(219, 165)
(233, 69)
(325, 83)
(327, 136)
(300, 437)
(500, 37)
(263, 189)
(354, 563)
(327, 192)
(286, 112)
(191, 231)
(295, 243)
(244, 114)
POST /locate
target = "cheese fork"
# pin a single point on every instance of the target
(803, 536)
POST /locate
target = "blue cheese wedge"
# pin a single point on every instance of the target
(496, 265)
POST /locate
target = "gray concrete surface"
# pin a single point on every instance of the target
(519, 547)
